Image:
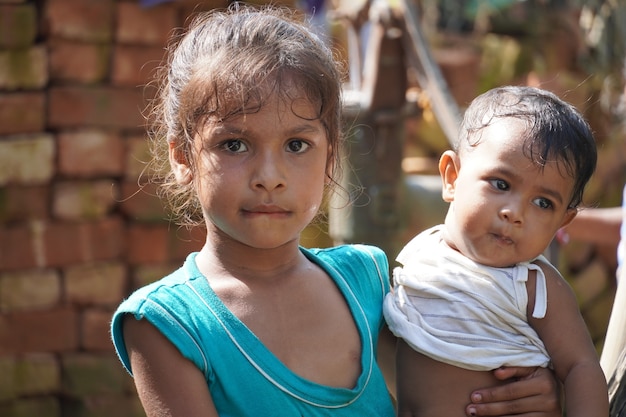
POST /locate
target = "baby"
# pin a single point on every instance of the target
(475, 293)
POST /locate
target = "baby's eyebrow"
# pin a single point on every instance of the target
(550, 192)
(556, 195)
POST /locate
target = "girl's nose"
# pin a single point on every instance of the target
(268, 174)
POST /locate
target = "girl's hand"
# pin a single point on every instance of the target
(532, 392)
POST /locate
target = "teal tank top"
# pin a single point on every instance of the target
(244, 377)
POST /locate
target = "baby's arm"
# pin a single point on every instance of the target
(168, 384)
(387, 358)
(530, 391)
(571, 350)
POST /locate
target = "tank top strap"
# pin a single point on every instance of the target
(541, 292)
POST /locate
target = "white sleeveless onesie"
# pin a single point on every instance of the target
(462, 313)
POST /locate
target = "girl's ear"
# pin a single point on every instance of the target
(569, 216)
(179, 164)
(449, 165)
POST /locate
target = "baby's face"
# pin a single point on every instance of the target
(504, 208)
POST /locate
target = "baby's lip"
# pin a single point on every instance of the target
(503, 238)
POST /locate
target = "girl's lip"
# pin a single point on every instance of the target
(266, 209)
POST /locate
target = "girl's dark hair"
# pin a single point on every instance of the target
(227, 63)
(556, 130)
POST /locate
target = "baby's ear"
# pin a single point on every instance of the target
(179, 164)
(449, 165)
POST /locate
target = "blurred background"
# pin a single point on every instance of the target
(81, 226)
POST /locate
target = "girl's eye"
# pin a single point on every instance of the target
(499, 184)
(234, 146)
(543, 203)
(297, 146)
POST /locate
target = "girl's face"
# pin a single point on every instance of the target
(504, 209)
(260, 177)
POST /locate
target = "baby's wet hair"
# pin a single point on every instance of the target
(555, 130)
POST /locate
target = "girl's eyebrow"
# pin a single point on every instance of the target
(222, 128)
(306, 128)
(235, 128)
(226, 128)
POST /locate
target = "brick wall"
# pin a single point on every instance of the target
(77, 233)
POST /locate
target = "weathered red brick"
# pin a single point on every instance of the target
(26, 159)
(80, 107)
(18, 25)
(95, 284)
(67, 243)
(24, 69)
(82, 63)
(8, 390)
(36, 374)
(29, 290)
(107, 238)
(147, 244)
(62, 244)
(16, 246)
(22, 113)
(95, 334)
(135, 65)
(20, 203)
(106, 404)
(43, 331)
(40, 406)
(145, 26)
(183, 241)
(91, 153)
(141, 202)
(82, 20)
(138, 157)
(56, 244)
(84, 200)
(146, 274)
(86, 374)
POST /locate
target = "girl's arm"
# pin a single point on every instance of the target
(168, 384)
(570, 347)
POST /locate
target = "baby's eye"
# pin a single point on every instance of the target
(234, 146)
(297, 146)
(543, 203)
(499, 184)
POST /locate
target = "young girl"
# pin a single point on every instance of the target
(475, 294)
(254, 324)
